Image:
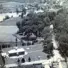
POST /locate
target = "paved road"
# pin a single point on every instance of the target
(34, 51)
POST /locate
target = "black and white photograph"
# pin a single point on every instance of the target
(33, 33)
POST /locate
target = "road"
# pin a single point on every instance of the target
(34, 52)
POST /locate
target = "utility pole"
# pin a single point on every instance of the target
(16, 41)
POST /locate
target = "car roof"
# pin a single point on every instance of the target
(16, 50)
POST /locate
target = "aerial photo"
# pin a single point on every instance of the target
(33, 33)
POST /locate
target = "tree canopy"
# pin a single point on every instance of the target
(34, 23)
(61, 31)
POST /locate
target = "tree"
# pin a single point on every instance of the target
(63, 47)
(31, 23)
(46, 32)
(46, 21)
(51, 15)
(60, 24)
(48, 48)
(23, 12)
(17, 11)
(18, 25)
(22, 15)
(63, 42)
(37, 6)
(47, 43)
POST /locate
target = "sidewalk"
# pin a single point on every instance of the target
(26, 63)
(45, 63)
